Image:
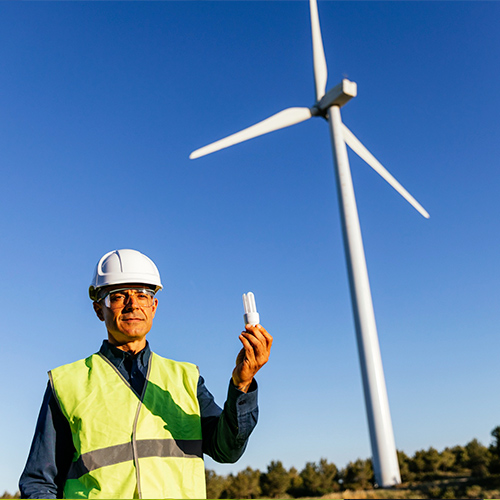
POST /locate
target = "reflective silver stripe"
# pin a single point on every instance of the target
(93, 460)
(182, 448)
(100, 458)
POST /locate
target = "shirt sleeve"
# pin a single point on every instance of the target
(50, 455)
(226, 432)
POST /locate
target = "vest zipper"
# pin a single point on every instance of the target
(134, 451)
(134, 432)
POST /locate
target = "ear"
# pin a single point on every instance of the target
(98, 310)
(155, 305)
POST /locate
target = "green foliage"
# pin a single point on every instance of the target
(495, 445)
(432, 460)
(358, 475)
(215, 484)
(8, 495)
(426, 463)
(470, 471)
(417, 463)
(494, 466)
(296, 482)
(449, 493)
(246, 484)
(434, 491)
(276, 482)
(319, 479)
(447, 460)
(479, 458)
(461, 458)
(473, 491)
(404, 467)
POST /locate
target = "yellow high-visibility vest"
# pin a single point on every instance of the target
(128, 447)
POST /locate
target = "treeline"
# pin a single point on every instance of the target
(470, 471)
(473, 461)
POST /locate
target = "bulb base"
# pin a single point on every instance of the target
(251, 318)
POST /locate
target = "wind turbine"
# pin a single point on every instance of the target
(328, 104)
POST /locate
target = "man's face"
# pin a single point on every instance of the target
(129, 320)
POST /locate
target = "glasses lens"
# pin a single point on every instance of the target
(118, 299)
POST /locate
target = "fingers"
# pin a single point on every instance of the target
(260, 333)
(248, 350)
(254, 355)
(257, 343)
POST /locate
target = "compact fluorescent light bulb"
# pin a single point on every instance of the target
(251, 315)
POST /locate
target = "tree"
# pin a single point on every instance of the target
(473, 491)
(449, 493)
(311, 482)
(495, 445)
(461, 458)
(276, 481)
(246, 484)
(417, 463)
(215, 484)
(479, 458)
(318, 480)
(296, 483)
(358, 475)
(404, 467)
(447, 461)
(494, 467)
(431, 460)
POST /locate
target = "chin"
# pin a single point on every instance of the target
(134, 335)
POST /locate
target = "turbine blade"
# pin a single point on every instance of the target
(283, 119)
(320, 69)
(353, 142)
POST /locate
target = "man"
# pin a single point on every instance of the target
(127, 423)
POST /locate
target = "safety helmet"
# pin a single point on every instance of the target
(124, 266)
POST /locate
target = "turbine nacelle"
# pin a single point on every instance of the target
(338, 96)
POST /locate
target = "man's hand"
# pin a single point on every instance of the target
(254, 355)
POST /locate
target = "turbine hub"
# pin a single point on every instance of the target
(315, 111)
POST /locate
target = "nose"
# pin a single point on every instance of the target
(131, 302)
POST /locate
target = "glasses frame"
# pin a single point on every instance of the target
(106, 300)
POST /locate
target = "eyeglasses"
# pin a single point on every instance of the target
(117, 299)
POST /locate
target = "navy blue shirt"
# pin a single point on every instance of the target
(225, 432)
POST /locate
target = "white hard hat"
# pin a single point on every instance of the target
(124, 266)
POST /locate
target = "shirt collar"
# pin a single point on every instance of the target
(117, 356)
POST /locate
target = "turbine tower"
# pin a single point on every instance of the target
(385, 462)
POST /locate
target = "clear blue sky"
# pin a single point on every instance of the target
(101, 104)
